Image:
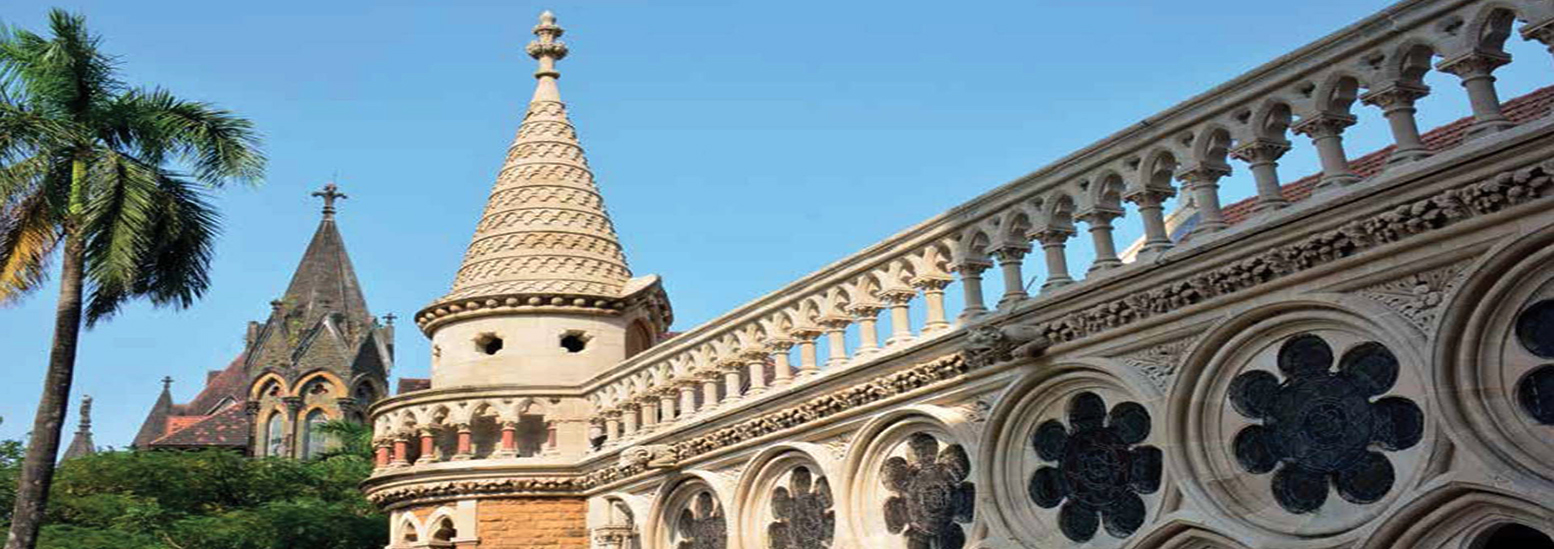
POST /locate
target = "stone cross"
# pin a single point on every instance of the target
(388, 319)
(167, 383)
(330, 194)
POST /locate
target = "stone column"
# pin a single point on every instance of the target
(836, 339)
(381, 453)
(1053, 241)
(293, 416)
(709, 389)
(1262, 157)
(688, 396)
(612, 427)
(428, 446)
(1203, 182)
(755, 369)
(730, 367)
(1150, 202)
(649, 407)
(509, 446)
(1099, 220)
(1009, 260)
(1476, 69)
(628, 419)
(1326, 131)
(809, 364)
(1396, 101)
(935, 318)
(401, 450)
(466, 443)
(970, 272)
(867, 315)
(666, 407)
(782, 371)
(900, 301)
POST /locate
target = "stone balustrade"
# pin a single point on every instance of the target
(832, 320)
(436, 426)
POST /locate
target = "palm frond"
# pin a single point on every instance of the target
(217, 145)
(29, 232)
(176, 245)
(117, 221)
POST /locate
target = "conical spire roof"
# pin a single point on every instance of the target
(545, 233)
(325, 282)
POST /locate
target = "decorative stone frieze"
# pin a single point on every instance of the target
(1418, 296)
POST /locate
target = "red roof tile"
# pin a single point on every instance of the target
(229, 428)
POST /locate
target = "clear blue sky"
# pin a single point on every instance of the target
(739, 144)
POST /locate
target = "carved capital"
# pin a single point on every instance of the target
(1477, 63)
(779, 344)
(1395, 94)
(293, 403)
(1098, 216)
(970, 267)
(1011, 253)
(865, 310)
(1325, 124)
(835, 323)
(1053, 236)
(1202, 173)
(754, 354)
(806, 333)
(1261, 150)
(1149, 197)
(931, 283)
(898, 295)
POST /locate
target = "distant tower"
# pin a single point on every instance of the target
(82, 444)
(320, 355)
(544, 298)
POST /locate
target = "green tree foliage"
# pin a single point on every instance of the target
(207, 500)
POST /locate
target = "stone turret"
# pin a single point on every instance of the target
(82, 444)
(544, 296)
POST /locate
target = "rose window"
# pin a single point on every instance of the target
(931, 496)
(1320, 426)
(1099, 473)
(1535, 331)
(701, 525)
(804, 518)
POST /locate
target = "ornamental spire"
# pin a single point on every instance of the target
(330, 193)
(545, 236)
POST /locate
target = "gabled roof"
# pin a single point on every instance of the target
(227, 428)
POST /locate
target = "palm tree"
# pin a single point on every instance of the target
(113, 179)
(351, 439)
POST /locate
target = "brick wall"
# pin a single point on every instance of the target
(533, 523)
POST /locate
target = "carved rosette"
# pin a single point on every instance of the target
(803, 517)
(1100, 467)
(930, 496)
(701, 525)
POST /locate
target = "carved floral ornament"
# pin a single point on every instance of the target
(802, 513)
(930, 495)
(1100, 472)
(1320, 427)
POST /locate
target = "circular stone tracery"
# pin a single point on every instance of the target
(1099, 475)
(1535, 390)
(701, 525)
(1535, 328)
(931, 494)
(1320, 424)
(802, 512)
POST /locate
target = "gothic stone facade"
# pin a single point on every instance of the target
(1362, 359)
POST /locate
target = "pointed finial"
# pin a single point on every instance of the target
(330, 193)
(86, 413)
(167, 383)
(547, 49)
(388, 319)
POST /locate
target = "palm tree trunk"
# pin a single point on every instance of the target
(32, 492)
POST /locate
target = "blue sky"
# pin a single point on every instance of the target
(739, 144)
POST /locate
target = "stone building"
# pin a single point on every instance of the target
(1362, 358)
(319, 356)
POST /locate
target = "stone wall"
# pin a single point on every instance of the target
(539, 523)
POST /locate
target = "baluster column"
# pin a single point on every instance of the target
(1203, 182)
(629, 421)
(1476, 69)
(970, 272)
(666, 407)
(1010, 259)
(1326, 131)
(836, 340)
(731, 367)
(1151, 202)
(1396, 102)
(782, 371)
(465, 445)
(612, 427)
(933, 294)
(688, 396)
(428, 446)
(649, 407)
(1098, 219)
(808, 361)
(509, 445)
(1053, 242)
(1262, 157)
(709, 389)
(755, 369)
(867, 315)
(900, 301)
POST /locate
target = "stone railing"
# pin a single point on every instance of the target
(831, 320)
(465, 423)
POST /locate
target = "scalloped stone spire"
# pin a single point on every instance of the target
(545, 231)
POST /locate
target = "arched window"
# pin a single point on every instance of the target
(443, 533)
(275, 436)
(313, 440)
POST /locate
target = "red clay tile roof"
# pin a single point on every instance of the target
(408, 384)
(1528, 107)
(177, 423)
(229, 428)
(231, 382)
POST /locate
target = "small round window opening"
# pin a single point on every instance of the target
(488, 343)
(574, 342)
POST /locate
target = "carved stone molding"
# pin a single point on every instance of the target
(1159, 362)
(1418, 296)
